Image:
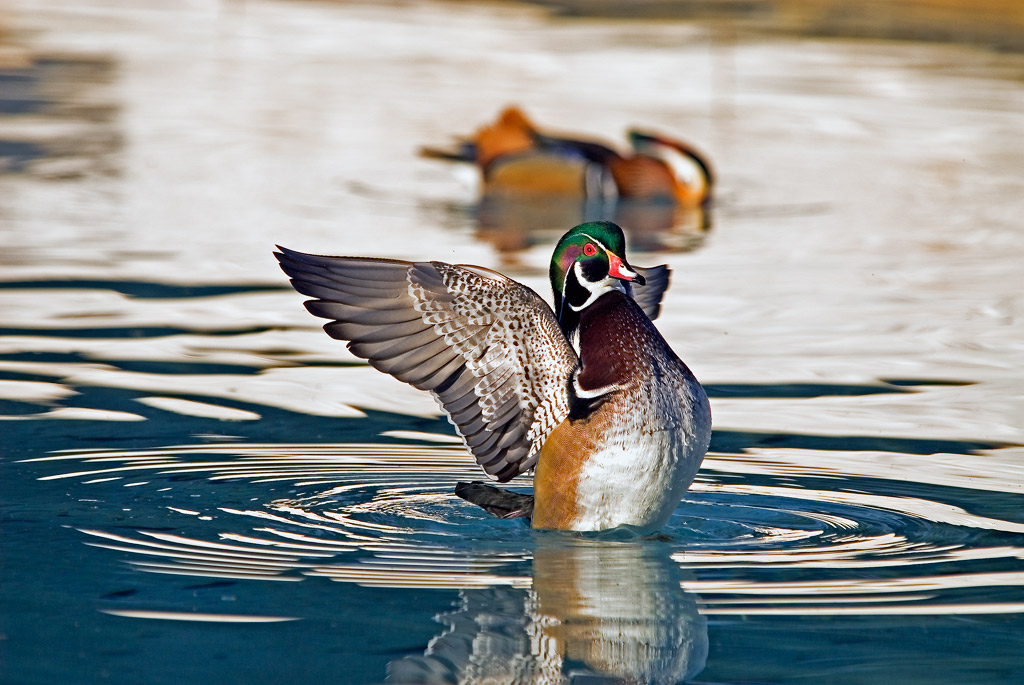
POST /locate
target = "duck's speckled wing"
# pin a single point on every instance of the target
(488, 348)
(649, 295)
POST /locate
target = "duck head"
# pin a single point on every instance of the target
(589, 261)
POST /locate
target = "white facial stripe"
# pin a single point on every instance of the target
(598, 242)
(598, 289)
(594, 293)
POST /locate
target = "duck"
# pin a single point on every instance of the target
(586, 393)
(516, 158)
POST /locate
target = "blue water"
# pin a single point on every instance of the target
(198, 485)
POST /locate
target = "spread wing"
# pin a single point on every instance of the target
(486, 347)
(649, 296)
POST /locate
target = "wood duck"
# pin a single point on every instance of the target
(515, 158)
(589, 394)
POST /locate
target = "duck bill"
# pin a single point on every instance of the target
(619, 269)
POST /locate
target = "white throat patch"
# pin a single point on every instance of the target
(605, 285)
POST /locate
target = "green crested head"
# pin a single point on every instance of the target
(588, 261)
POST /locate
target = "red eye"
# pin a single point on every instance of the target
(589, 250)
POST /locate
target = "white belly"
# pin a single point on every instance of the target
(638, 478)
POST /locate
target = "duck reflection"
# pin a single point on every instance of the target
(612, 610)
(512, 225)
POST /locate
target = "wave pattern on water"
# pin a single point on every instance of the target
(384, 516)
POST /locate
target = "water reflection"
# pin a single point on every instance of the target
(513, 225)
(598, 608)
(58, 122)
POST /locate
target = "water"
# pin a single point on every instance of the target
(198, 485)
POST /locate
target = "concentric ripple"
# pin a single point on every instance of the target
(383, 515)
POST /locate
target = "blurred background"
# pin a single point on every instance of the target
(199, 485)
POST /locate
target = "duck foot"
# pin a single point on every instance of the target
(502, 503)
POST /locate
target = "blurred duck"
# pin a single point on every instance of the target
(515, 158)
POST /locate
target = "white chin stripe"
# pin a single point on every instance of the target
(599, 289)
(596, 289)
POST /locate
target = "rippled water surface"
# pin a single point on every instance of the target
(198, 485)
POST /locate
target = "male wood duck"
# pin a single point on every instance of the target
(515, 158)
(590, 394)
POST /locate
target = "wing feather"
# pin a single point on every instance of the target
(649, 295)
(487, 347)
(370, 317)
